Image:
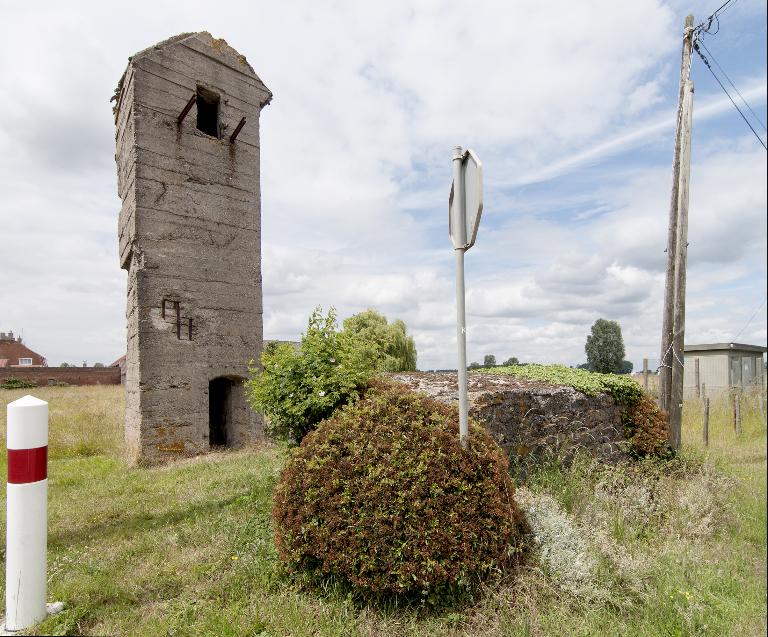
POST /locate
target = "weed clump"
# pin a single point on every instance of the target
(562, 546)
(382, 497)
(17, 383)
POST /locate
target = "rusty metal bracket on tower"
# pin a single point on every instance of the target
(187, 108)
(237, 130)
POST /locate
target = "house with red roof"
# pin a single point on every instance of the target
(13, 353)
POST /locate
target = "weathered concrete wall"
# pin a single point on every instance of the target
(190, 238)
(531, 419)
(68, 375)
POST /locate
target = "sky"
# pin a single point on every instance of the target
(569, 105)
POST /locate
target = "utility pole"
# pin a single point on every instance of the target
(673, 323)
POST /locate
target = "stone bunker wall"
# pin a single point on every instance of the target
(530, 419)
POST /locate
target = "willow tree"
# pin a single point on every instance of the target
(396, 350)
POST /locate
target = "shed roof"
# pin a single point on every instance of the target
(725, 347)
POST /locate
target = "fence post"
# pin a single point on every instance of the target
(706, 422)
(762, 404)
(697, 377)
(645, 374)
(703, 389)
(737, 414)
(27, 513)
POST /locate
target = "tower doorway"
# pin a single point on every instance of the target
(219, 411)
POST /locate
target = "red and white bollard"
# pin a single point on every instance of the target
(27, 513)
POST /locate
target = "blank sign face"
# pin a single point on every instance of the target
(464, 234)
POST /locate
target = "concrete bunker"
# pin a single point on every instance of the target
(188, 155)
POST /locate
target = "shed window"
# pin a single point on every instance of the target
(736, 371)
(25, 361)
(207, 112)
(747, 370)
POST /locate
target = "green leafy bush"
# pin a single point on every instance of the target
(383, 497)
(298, 389)
(17, 383)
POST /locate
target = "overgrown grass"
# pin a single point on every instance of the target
(652, 549)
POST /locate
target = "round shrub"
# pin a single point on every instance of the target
(383, 497)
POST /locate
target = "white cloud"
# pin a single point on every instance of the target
(355, 169)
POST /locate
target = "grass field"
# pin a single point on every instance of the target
(655, 549)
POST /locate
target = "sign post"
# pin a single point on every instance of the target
(465, 206)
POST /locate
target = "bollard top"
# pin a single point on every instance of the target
(27, 426)
(28, 401)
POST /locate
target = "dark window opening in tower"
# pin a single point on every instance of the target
(207, 112)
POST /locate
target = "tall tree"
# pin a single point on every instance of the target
(605, 347)
(489, 360)
(512, 360)
(396, 350)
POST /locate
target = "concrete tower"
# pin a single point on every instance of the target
(187, 117)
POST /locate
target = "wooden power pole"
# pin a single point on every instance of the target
(673, 323)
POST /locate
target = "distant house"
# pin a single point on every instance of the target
(13, 353)
(120, 362)
(723, 366)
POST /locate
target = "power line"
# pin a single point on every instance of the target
(714, 16)
(759, 307)
(712, 57)
(706, 62)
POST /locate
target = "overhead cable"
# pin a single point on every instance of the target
(750, 320)
(725, 90)
(712, 57)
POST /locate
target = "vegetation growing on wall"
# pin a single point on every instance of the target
(624, 390)
(383, 497)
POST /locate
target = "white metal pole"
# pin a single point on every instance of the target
(461, 336)
(460, 227)
(27, 513)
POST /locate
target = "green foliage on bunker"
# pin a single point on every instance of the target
(383, 498)
(297, 389)
(624, 390)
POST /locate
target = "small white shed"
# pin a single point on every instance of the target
(721, 367)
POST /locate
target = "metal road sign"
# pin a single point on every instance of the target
(465, 205)
(464, 211)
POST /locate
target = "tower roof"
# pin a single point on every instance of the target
(202, 42)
